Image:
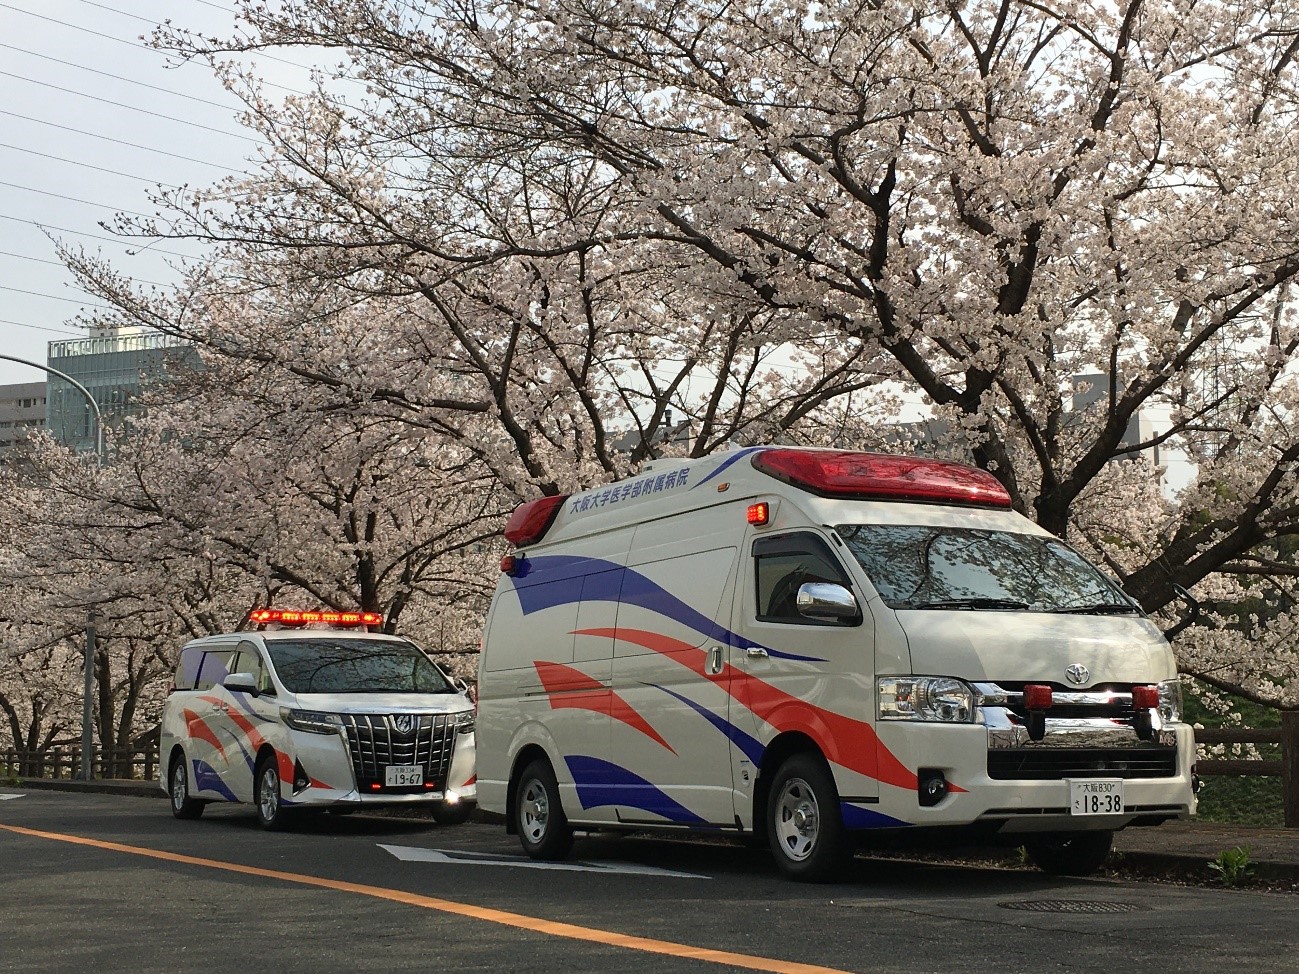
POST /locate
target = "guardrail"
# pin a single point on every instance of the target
(139, 763)
(1287, 767)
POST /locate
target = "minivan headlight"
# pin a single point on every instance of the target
(312, 721)
(465, 722)
(1170, 701)
(943, 699)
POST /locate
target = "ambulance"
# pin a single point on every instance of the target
(815, 649)
(313, 712)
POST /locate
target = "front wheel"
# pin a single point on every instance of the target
(804, 827)
(266, 794)
(182, 805)
(543, 826)
(1070, 853)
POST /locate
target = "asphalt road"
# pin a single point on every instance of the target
(110, 884)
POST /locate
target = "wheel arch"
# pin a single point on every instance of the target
(527, 754)
(780, 750)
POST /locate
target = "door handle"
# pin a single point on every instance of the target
(755, 652)
(713, 665)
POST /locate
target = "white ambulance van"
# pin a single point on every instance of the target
(810, 646)
(315, 713)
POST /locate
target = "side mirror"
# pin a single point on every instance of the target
(241, 683)
(827, 602)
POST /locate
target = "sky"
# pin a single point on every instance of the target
(92, 120)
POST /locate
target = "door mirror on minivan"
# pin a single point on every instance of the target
(827, 602)
(241, 683)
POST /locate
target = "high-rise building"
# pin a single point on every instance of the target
(22, 410)
(112, 364)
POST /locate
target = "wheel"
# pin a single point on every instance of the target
(456, 813)
(182, 806)
(266, 794)
(804, 827)
(1070, 853)
(543, 827)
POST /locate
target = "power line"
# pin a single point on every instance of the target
(57, 263)
(117, 77)
(132, 108)
(24, 324)
(55, 297)
(86, 165)
(139, 248)
(133, 145)
(74, 199)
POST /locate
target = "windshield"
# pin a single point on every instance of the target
(926, 567)
(340, 665)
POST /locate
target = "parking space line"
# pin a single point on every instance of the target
(520, 921)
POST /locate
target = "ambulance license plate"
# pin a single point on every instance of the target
(1095, 796)
(403, 775)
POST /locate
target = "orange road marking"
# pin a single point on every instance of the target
(553, 928)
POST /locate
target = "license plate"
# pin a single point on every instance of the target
(403, 775)
(1095, 796)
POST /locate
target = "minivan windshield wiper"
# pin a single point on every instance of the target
(978, 603)
(1102, 609)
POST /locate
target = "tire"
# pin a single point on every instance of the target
(182, 805)
(804, 827)
(452, 814)
(266, 795)
(543, 826)
(1070, 853)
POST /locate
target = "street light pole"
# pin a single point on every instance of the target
(88, 653)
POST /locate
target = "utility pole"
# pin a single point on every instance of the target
(88, 656)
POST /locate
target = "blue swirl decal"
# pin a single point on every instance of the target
(601, 782)
(555, 580)
(749, 746)
(855, 817)
(738, 455)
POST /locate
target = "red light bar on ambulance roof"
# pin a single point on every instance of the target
(838, 473)
(292, 617)
(530, 522)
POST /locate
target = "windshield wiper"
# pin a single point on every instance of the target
(972, 604)
(1101, 609)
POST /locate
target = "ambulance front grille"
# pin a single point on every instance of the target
(375, 743)
(1010, 764)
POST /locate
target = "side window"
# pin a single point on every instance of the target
(250, 661)
(781, 564)
(214, 668)
(187, 667)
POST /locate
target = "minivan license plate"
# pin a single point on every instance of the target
(403, 775)
(1095, 796)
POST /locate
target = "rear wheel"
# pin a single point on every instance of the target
(543, 827)
(182, 806)
(1070, 853)
(804, 827)
(266, 794)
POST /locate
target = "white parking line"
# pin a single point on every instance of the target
(4, 798)
(454, 857)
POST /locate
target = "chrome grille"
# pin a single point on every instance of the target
(375, 743)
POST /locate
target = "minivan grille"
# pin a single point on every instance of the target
(1082, 762)
(375, 742)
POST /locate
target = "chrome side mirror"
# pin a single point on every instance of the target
(827, 602)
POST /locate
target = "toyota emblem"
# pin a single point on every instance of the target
(405, 723)
(1077, 673)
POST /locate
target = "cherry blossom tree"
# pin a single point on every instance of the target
(554, 220)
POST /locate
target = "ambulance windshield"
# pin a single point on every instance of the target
(927, 567)
(337, 664)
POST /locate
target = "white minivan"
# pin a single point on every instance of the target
(315, 715)
(813, 646)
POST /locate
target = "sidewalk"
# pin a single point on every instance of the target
(1181, 847)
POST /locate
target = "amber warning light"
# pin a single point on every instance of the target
(760, 513)
(292, 617)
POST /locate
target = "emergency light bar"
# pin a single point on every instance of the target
(838, 473)
(530, 521)
(292, 617)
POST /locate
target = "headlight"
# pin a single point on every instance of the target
(465, 722)
(312, 721)
(1170, 701)
(940, 698)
